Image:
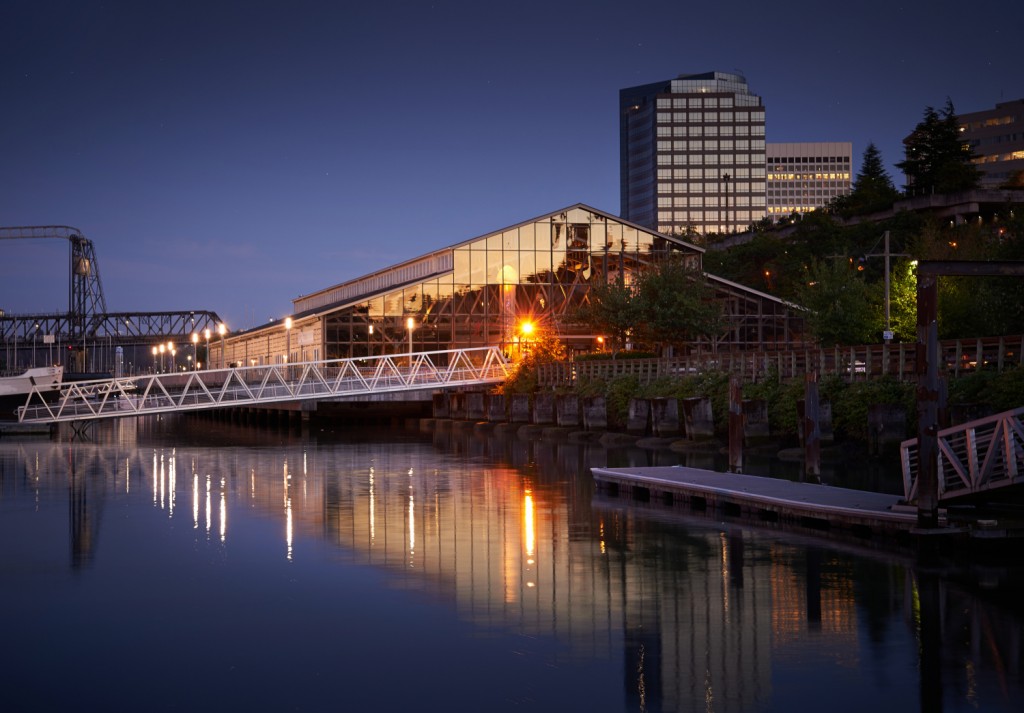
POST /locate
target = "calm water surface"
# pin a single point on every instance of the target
(192, 565)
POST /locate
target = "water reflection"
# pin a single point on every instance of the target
(506, 533)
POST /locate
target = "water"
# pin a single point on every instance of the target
(191, 565)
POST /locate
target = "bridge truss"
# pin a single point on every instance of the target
(262, 385)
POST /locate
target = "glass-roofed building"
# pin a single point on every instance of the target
(479, 293)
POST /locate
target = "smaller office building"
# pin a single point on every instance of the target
(805, 176)
(480, 292)
(996, 137)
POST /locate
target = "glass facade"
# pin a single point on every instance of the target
(481, 292)
(803, 177)
(537, 272)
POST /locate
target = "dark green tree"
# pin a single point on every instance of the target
(611, 311)
(872, 189)
(675, 304)
(843, 307)
(937, 159)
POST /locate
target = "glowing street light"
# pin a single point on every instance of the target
(410, 324)
(222, 330)
(163, 348)
(195, 359)
(155, 352)
(206, 333)
(288, 339)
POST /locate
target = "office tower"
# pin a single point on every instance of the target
(805, 176)
(996, 137)
(692, 154)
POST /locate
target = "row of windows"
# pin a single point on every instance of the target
(695, 102)
(712, 145)
(678, 130)
(845, 160)
(780, 195)
(666, 174)
(710, 117)
(993, 158)
(991, 121)
(809, 176)
(716, 187)
(702, 216)
(711, 159)
(709, 201)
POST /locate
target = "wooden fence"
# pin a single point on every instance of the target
(959, 356)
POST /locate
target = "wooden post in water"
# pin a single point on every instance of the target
(812, 427)
(926, 365)
(735, 425)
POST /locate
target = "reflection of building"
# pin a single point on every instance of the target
(479, 292)
(692, 154)
(806, 176)
(996, 137)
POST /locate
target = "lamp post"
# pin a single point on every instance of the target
(174, 355)
(195, 357)
(206, 333)
(155, 352)
(288, 339)
(222, 330)
(410, 324)
(163, 348)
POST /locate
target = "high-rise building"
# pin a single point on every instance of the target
(996, 137)
(805, 176)
(692, 154)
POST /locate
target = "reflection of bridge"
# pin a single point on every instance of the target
(973, 457)
(260, 385)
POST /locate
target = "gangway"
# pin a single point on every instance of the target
(260, 385)
(973, 457)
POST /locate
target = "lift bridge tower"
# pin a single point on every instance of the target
(88, 337)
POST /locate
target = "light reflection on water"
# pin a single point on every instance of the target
(194, 565)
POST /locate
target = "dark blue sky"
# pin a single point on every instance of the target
(233, 155)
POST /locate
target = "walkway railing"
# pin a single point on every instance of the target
(958, 356)
(973, 457)
(256, 385)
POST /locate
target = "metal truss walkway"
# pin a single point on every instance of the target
(260, 385)
(973, 457)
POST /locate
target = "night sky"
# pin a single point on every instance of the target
(233, 155)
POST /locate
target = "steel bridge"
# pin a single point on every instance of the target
(335, 379)
(973, 458)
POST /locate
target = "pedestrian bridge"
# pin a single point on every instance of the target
(973, 457)
(335, 379)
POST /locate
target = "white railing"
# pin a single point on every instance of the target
(976, 456)
(255, 385)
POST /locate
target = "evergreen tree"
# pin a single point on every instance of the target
(676, 305)
(872, 189)
(937, 159)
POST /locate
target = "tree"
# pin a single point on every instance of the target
(843, 308)
(611, 311)
(937, 159)
(675, 304)
(872, 189)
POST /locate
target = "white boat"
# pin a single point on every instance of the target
(15, 389)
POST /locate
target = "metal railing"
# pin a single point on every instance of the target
(256, 385)
(958, 356)
(973, 457)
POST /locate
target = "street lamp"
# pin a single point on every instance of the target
(288, 339)
(222, 330)
(163, 348)
(410, 324)
(170, 350)
(155, 352)
(526, 331)
(195, 357)
(206, 333)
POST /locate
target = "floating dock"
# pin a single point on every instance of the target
(807, 506)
